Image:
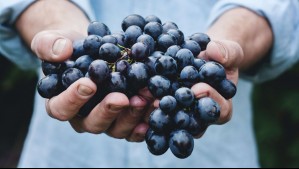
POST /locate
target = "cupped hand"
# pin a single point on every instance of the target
(116, 115)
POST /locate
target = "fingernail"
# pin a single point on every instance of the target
(59, 46)
(84, 90)
(220, 47)
(115, 108)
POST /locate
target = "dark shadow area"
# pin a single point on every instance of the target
(276, 107)
(16, 101)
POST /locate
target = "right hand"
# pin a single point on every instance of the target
(116, 115)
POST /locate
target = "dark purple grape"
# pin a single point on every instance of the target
(167, 67)
(83, 62)
(109, 52)
(157, 144)
(160, 122)
(131, 20)
(120, 38)
(50, 68)
(98, 28)
(67, 65)
(152, 18)
(189, 76)
(149, 41)
(179, 35)
(49, 86)
(140, 51)
(196, 127)
(212, 73)
(157, 54)
(131, 35)
(227, 89)
(192, 46)
(109, 39)
(99, 72)
(168, 104)
(165, 41)
(122, 66)
(117, 83)
(150, 63)
(70, 76)
(184, 58)
(78, 49)
(169, 25)
(181, 120)
(208, 110)
(159, 86)
(92, 44)
(154, 29)
(172, 51)
(185, 97)
(198, 63)
(202, 39)
(138, 76)
(174, 87)
(181, 144)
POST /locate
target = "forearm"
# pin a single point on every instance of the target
(51, 14)
(250, 30)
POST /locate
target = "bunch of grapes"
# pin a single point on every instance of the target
(148, 54)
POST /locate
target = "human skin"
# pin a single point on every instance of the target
(233, 41)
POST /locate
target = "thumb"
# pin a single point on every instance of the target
(53, 45)
(227, 53)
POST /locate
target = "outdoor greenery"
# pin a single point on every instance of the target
(275, 105)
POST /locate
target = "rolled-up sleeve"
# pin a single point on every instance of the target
(284, 21)
(11, 44)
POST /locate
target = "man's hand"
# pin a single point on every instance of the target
(116, 115)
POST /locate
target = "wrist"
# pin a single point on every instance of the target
(251, 31)
(51, 15)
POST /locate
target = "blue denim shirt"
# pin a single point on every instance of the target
(51, 143)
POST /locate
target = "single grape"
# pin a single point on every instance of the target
(140, 51)
(208, 110)
(98, 28)
(120, 38)
(152, 18)
(49, 86)
(227, 89)
(92, 44)
(150, 63)
(184, 57)
(147, 40)
(181, 144)
(159, 86)
(185, 97)
(172, 51)
(131, 20)
(154, 29)
(99, 72)
(78, 49)
(169, 25)
(122, 66)
(157, 144)
(160, 122)
(138, 76)
(165, 41)
(189, 76)
(50, 68)
(117, 83)
(70, 76)
(202, 39)
(198, 63)
(109, 52)
(168, 104)
(167, 67)
(109, 39)
(192, 46)
(181, 120)
(179, 35)
(131, 35)
(212, 73)
(83, 62)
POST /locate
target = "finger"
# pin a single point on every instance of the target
(138, 133)
(66, 105)
(54, 46)
(105, 113)
(227, 53)
(128, 120)
(204, 90)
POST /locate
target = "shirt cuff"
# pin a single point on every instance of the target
(284, 21)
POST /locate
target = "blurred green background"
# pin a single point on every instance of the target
(275, 106)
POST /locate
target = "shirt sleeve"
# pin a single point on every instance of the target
(11, 44)
(284, 21)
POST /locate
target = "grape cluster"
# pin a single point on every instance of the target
(148, 54)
